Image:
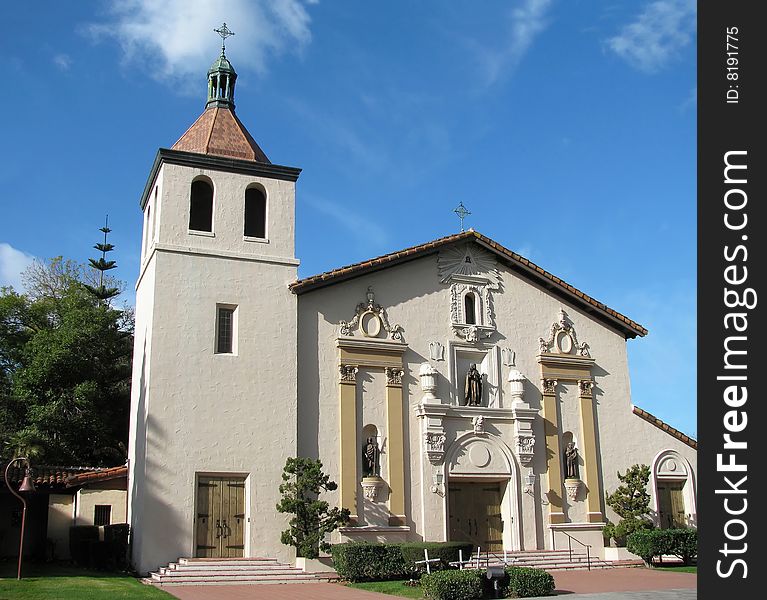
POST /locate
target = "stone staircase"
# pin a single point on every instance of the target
(550, 560)
(223, 571)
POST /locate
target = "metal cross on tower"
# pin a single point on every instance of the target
(462, 213)
(224, 32)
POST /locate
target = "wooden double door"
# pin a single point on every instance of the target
(220, 517)
(671, 513)
(475, 514)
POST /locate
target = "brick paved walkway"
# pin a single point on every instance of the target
(603, 584)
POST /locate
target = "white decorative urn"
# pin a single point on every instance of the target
(428, 375)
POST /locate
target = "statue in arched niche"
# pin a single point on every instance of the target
(571, 462)
(370, 454)
(473, 387)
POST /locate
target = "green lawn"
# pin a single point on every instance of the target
(394, 588)
(46, 582)
(679, 569)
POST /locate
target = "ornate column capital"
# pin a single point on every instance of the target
(585, 387)
(434, 442)
(394, 376)
(347, 373)
(549, 386)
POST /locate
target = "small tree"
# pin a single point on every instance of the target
(631, 502)
(303, 482)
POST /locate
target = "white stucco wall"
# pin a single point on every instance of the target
(415, 299)
(60, 519)
(87, 499)
(197, 412)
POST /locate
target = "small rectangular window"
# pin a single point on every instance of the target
(102, 515)
(225, 330)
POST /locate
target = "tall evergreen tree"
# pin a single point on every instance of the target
(102, 265)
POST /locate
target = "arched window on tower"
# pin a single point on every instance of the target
(255, 213)
(469, 309)
(201, 206)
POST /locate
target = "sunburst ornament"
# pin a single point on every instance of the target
(469, 260)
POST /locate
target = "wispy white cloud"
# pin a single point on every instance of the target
(656, 35)
(526, 22)
(12, 264)
(690, 102)
(359, 226)
(62, 61)
(177, 35)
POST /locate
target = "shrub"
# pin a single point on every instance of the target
(526, 582)
(88, 551)
(621, 530)
(363, 561)
(683, 543)
(356, 561)
(446, 551)
(80, 539)
(453, 585)
(116, 538)
(650, 543)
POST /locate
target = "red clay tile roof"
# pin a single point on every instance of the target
(98, 475)
(218, 131)
(46, 476)
(629, 327)
(653, 420)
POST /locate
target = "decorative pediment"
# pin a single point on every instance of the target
(370, 321)
(563, 339)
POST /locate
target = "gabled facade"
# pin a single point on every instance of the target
(454, 390)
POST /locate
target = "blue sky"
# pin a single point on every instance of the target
(568, 128)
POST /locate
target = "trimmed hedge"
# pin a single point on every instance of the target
(453, 585)
(80, 539)
(657, 542)
(469, 584)
(526, 582)
(88, 551)
(361, 561)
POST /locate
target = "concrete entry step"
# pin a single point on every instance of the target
(550, 560)
(218, 571)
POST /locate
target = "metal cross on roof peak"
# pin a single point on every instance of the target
(224, 32)
(462, 213)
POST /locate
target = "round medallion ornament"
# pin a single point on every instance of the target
(479, 456)
(671, 465)
(370, 324)
(564, 342)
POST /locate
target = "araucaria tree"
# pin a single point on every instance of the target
(631, 502)
(303, 482)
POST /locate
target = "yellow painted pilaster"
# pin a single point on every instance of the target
(348, 437)
(589, 452)
(553, 451)
(396, 445)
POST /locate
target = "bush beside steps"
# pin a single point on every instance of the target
(470, 584)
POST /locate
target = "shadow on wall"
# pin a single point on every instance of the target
(160, 528)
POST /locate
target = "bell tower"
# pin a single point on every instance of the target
(213, 398)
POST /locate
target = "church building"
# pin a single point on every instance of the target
(454, 390)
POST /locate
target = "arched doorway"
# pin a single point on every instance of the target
(483, 501)
(674, 498)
